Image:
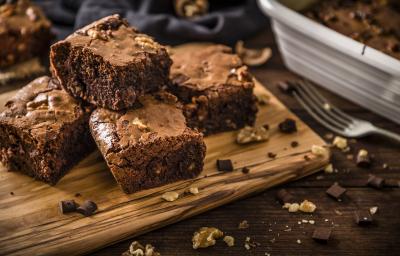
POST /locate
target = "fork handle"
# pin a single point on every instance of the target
(388, 134)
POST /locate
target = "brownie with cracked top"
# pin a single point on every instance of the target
(375, 23)
(149, 145)
(44, 131)
(109, 64)
(24, 32)
(214, 86)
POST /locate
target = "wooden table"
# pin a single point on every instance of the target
(268, 221)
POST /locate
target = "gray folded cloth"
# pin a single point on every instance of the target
(226, 22)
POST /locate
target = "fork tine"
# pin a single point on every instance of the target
(321, 101)
(334, 108)
(315, 115)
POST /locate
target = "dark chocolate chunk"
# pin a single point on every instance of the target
(363, 159)
(224, 165)
(322, 234)
(294, 144)
(67, 206)
(375, 181)
(363, 217)
(87, 208)
(286, 87)
(245, 170)
(336, 191)
(266, 126)
(288, 126)
(271, 155)
(284, 196)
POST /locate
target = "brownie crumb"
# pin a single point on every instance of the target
(322, 234)
(11, 193)
(245, 170)
(294, 144)
(224, 165)
(271, 155)
(88, 208)
(67, 206)
(288, 126)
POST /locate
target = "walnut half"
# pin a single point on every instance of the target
(252, 134)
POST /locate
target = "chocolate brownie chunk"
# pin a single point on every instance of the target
(148, 145)
(109, 64)
(43, 131)
(375, 23)
(24, 32)
(215, 87)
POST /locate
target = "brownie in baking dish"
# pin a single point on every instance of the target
(375, 23)
(109, 64)
(44, 131)
(149, 145)
(24, 32)
(214, 86)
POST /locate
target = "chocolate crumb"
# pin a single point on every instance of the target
(67, 206)
(77, 194)
(363, 217)
(271, 155)
(245, 170)
(322, 234)
(87, 208)
(375, 181)
(224, 165)
(11, 193)
(284, 196)
(336, 191)
(288, 126)
(294, 144)
(266, 126)
(307, 157)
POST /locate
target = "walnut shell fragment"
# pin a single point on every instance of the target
(253, 57)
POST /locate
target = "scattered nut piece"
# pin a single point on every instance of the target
(373, 210)
(340, 142)
(329, 136)
(252, 134)
(191, 8)
(307, 206)
(363, 159)
(298, 241)
(327, 106)
(318, 150)
(294, 207)
(312, 222)
(338, 212)
(229, 240)
(136, 249)
(170, 196)
(252, 57)
(328, 168)
(205, 237)
(194, 190)
(243, 224)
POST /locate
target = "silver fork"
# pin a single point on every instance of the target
(333, 118)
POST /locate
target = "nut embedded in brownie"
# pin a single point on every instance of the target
(44, 131)
(109, 64)
(149, 145)
(24, 32)
(214, 86)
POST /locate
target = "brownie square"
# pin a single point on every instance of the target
(44, 131)
(24, 32)
(149, 145)
(214, 86)
(109, 64)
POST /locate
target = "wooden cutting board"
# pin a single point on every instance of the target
(31, 224)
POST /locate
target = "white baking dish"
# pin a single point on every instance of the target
(336, 62)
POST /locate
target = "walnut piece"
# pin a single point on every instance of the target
(294, 207)
(205, 237)
(191, 8)
(340, 142)
(253, 57)
(194, 190)
(229, 240)
(136, 249)
(252, 134)
(146, 43)
(243, 224)
(170, 196)
(318, 150)
(307, 206)
(328, 168)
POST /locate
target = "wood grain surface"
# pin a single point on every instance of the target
(30, 222)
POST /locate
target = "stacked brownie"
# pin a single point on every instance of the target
(110, 82)
(214, 86)
(24, 32)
